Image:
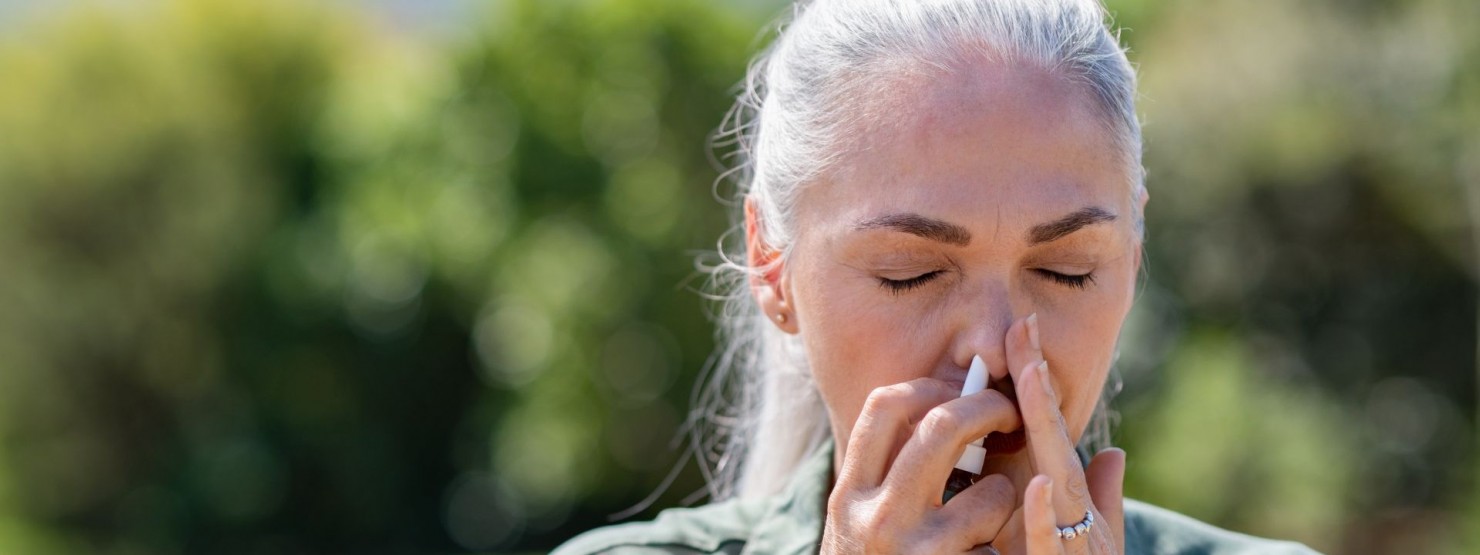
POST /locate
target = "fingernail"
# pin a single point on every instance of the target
(1033, 332)
(1043, 378)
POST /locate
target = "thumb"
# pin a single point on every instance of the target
(1106, 477)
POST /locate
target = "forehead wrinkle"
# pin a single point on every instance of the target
(997, 228)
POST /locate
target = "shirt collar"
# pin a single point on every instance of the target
(792, 521)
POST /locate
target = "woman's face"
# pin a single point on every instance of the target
(987, 196)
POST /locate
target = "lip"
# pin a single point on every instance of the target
(1006, 443)
(1002, 444)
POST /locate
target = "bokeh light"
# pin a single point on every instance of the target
(396, 276)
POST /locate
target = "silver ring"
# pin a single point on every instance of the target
(1070, 532)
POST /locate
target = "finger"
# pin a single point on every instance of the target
(1106, 477)
(885, 423)
(925, 462)
(1048, 440)
(981, 510)
(1024, 351)
(1038, 516)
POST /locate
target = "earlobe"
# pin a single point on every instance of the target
(786, 317)
(767, 282)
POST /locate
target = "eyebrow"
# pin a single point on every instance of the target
(915, 224)
(946, 232)
(1057, 229)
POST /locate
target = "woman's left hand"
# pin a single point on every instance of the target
(1061, 491)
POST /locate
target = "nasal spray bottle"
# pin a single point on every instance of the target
(969, 467)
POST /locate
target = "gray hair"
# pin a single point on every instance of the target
(757, 412)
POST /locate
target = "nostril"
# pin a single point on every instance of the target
(999, 371)
(1005, 386)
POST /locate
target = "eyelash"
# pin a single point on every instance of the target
(1077, 282)
(898, 286)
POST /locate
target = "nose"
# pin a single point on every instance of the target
(981, 329)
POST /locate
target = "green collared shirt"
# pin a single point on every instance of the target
(790, 523)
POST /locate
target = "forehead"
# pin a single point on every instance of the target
(993, 139)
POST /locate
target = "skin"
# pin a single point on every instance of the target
(964, 198)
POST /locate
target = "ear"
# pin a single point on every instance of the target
(1140, 241)
(768, 283)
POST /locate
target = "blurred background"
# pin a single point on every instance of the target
(418, 276)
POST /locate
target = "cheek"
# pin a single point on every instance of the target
(1079, 340)
(858, 338)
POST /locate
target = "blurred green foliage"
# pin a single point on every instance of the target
(280, 278)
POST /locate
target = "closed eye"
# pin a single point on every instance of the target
(897, 286)
(1080, 281)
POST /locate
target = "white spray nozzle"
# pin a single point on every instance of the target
(976, 380)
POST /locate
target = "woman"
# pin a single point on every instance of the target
(926, 183)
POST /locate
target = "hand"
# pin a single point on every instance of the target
(1060, 492)
(887, 498)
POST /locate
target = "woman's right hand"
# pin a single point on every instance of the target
(887, 498)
